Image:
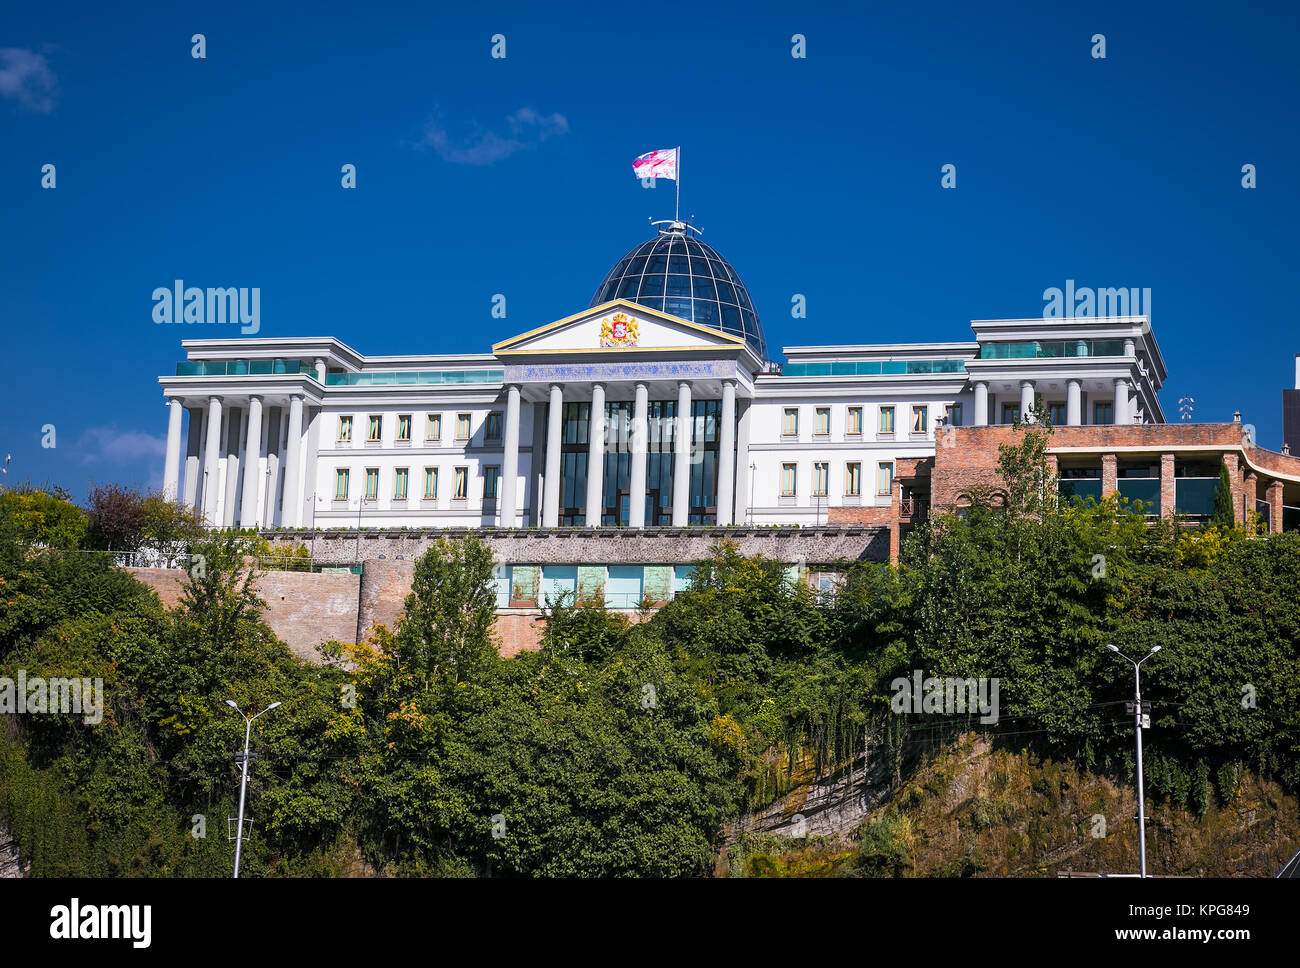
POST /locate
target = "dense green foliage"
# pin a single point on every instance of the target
(625, 747)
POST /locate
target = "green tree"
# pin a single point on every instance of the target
(447, 631)
(1223, 516)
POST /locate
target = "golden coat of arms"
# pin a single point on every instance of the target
(618, 331)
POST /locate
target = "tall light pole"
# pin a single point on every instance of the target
(1138, 716)
(243, 782)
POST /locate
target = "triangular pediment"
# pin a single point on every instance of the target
(618, 326)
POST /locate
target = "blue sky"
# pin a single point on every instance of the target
(479, 176)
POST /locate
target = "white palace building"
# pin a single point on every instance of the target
(543, 430)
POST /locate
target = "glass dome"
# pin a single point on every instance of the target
(684, 277)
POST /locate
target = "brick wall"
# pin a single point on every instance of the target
(385, 583)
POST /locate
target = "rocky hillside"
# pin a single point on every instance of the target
(971, 810)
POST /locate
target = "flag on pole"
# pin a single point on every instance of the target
(656, 164)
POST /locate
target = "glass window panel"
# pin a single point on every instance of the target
(678, 286)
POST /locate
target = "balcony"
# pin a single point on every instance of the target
(914, 508)
(1144, 489)
(243, 367)
(1194, 496)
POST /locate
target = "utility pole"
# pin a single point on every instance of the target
(243, 782)
(1141, 719)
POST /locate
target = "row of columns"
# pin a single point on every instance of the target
(595, 498)
(1124, 411)
(207, 470)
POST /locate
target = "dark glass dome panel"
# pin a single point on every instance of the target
(685, 277)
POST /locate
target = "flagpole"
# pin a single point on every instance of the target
(677, 210)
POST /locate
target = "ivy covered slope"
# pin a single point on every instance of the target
(636, 747)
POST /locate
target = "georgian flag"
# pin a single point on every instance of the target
(656, 164)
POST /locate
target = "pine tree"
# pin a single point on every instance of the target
(1223, 516)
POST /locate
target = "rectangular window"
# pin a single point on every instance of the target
(341, 484)
(821, 478)
(401, 478)
(435, 427)
(787, 480)
(345, 429)
(404, 427)
(920, 419)
(376, 428)
(886, 420)
(1103, 413)
(853, 479)
(884, 477)
(462, 484)
(462, 426)
(1057, 412)
(823, 425)
(953, 413)
(491, 475)
(853, 426)
(372, 483)
(493, 431)
(430, 483)
(1010, 413)
(790, 422)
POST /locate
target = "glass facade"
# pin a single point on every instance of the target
(685, 278)
(661, 417)
(1034, 349)
(241, 367)
(874, 368)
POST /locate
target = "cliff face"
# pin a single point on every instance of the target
(11, 864)
(970, 810)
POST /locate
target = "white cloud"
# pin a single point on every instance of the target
(527, 128)
(26, 78)
(112, 446)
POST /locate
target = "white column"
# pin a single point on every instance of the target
(252, 465)
(596, 456)
(981, 404)
(742, 465)
(291, 513)
(636, 482)
(551, 489)
(726, 453)
(1073, 406)
(1026, 399)
(1121, 401)
(510, 462)
(319, 364)
(211, 458)
(172, 460)
(682, 463)
(1129, 348)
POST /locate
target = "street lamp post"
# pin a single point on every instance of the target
(1137, 730)
(243, 781)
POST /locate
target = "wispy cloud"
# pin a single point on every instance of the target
(100, 445)
(26, 78)
(526, 128)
